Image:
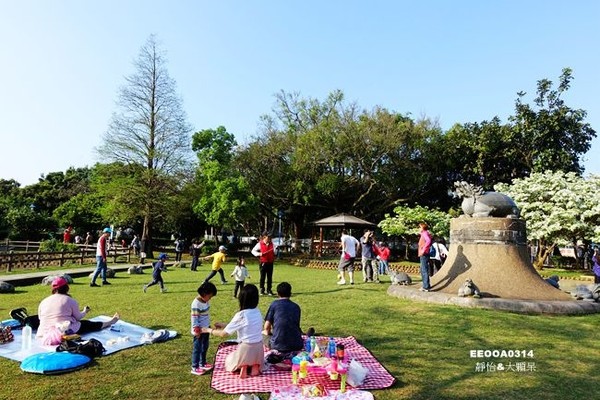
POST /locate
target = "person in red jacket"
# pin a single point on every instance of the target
(383, 255)
(265, 251)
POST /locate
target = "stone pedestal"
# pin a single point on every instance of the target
(493, 253)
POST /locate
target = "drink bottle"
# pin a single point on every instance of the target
(26, 340)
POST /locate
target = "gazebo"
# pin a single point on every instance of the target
(335, 221)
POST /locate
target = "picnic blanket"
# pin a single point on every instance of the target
(122, 335)
(271, 379)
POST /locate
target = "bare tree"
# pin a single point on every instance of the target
(150, 133)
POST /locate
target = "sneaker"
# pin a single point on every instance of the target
(263, 293)
(93, 284)
(341, 282)
(198, 371)
(352, 282)
(105, 283)
(206, 367)
(223, 282)
(423, 289)
(163, 290)
(145, 288)
(270, 293)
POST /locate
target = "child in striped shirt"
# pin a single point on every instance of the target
(201, 319)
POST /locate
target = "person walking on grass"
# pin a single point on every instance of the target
(200, 321)
(195, 251)
(350, 247)
(101, 254)
(218, 259)
(240, 273)
(157, 270)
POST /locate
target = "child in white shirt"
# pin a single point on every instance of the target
(240, 273)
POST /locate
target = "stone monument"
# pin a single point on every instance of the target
(489, 265)
(488, 244)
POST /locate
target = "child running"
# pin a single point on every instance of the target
(218, 259)
(240, 273)
(201, 320)
(157, 270)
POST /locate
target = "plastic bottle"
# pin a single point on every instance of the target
(331, 348)
(307, 345)
(340, 352)
(26, 340)
(313, 344)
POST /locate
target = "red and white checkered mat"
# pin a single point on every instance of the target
(227, 382)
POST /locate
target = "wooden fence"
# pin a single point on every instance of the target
(12, 260)
(18, 245)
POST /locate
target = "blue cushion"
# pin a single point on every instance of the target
(54, 363)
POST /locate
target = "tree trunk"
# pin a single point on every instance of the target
(147, 232)
(542, 253)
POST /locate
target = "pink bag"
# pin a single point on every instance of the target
(52, 337)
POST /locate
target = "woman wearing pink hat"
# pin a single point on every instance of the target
(60, 307)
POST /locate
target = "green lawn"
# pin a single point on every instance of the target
(425, 346)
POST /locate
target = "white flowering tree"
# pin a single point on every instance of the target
(405, 222)
(558, 207)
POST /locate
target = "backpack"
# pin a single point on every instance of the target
(91, 348)
(432, 251)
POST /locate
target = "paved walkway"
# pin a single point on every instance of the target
(34, 278)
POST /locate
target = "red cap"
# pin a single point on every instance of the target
(59, 282)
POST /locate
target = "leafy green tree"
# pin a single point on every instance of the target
(559, 207)
(225, 197)
(549, 135)
(404, 222)
(82, 211)
(25, 223)
(545, 135)
(316, 158)
(9, 197)
(482, 153)
(149, 132)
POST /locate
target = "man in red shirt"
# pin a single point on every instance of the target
(265, 251)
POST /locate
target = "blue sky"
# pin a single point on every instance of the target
(455, 61)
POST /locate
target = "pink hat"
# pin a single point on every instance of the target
(59, 282)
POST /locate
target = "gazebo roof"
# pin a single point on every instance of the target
(343, 220)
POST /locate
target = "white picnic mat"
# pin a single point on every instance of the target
(122, 335)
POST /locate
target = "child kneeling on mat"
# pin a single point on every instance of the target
(248, 324)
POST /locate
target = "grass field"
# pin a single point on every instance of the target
(426, 347)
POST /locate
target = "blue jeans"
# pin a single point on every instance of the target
(199, 350)
(425, 271)
(100, 268)
(383, 267)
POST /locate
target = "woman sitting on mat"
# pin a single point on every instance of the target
(248, 324)
(60, 307)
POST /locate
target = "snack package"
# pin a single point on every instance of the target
(316, 390)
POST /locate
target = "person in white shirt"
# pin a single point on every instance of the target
(350, 246)
(248, 324)
(437, 260)
(240, 273)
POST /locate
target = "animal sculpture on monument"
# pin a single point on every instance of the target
(582, 292)
(479, 203)
(469, 289)
(400, 278)
(553, 280)
(596, 292)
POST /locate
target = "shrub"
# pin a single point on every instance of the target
(53, 245)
